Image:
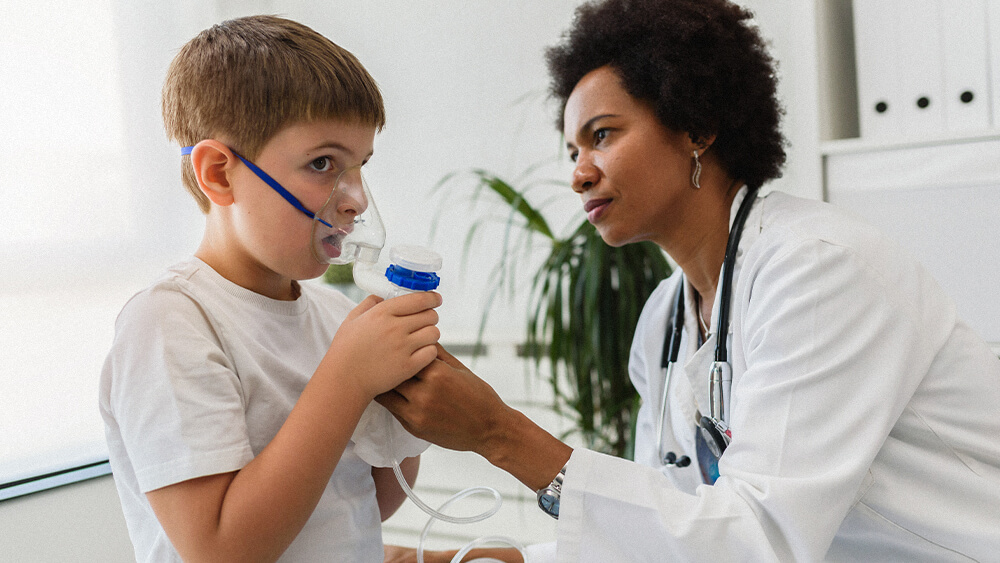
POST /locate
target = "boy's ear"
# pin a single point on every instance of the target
(213, 164)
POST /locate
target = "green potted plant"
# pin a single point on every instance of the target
(341, 276)
(583, 308)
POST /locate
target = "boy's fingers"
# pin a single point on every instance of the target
(424, 355)
(414, 303)
(366, 304)
(423, 319)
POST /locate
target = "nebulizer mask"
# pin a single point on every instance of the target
(349, 229)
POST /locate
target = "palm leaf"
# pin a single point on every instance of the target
(585, 301)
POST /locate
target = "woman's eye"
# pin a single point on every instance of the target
(600, 135)
(573, 156)
(321, 164)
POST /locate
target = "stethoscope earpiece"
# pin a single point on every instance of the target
(671, 460)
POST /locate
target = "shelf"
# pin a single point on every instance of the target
(858, 145)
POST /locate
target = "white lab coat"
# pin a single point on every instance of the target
(864, 415)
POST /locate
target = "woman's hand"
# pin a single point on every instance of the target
(398, 554)
(447, 404)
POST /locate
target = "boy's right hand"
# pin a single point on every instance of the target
(383, 343)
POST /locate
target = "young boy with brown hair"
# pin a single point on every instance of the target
(231, 391)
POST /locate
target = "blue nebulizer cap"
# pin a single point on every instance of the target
(414, 268)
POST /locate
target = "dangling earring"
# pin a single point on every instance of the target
(696, 175)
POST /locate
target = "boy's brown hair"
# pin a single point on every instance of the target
(248, 78)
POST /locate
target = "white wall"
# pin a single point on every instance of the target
(81, 523)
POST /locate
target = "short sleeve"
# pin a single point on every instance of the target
(174, 393)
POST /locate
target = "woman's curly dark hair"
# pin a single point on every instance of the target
(701, 65)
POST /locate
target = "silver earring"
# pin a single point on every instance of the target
(696, 175)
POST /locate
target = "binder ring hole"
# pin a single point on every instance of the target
(966, 97)
(881, 107)
(923, 101)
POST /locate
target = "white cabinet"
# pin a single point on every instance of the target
(942, 203)
(931, 183)
(922, 67)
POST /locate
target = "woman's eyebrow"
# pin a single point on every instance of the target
(590, 122)
(589, 125)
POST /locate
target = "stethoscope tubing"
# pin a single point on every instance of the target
(672, 341)
(671, 350)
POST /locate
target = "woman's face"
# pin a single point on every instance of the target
(631, 172)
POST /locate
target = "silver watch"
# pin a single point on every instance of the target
(548, 498)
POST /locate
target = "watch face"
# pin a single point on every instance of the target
(549, 503)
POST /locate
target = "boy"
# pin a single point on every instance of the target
(228, 411)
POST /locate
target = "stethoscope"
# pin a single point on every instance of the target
(713, 428)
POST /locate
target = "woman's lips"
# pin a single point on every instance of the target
(595, 208)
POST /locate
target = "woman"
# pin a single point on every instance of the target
(859, 423)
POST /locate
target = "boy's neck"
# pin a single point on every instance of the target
(270, 286)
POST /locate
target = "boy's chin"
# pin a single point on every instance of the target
(316, 271)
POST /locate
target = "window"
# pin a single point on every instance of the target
(81, 217)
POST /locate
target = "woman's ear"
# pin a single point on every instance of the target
(702, 145)
(213, 164)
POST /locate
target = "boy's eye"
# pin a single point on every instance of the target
(573, 156)
(600, 135)
(322, 164)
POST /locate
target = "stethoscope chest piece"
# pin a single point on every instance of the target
(716, 434)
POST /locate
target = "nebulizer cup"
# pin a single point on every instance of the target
(348, 228)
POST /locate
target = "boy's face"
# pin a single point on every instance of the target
(273, 239)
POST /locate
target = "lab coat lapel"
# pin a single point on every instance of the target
(697, 370)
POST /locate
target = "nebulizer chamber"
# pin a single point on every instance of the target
(349, 229)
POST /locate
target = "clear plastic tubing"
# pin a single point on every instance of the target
(414, 269)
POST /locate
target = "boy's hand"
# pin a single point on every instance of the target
(382, 343)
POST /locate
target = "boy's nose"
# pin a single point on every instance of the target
(352, 202)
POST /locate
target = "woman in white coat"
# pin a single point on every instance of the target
(861, 420)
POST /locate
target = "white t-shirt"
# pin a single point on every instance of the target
(201, 376)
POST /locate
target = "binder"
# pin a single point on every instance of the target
(966, 65)
(920, 66)
(879, 107)
(993, 26)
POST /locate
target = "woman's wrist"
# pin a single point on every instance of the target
(525, 450)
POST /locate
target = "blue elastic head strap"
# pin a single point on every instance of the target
(270, 182)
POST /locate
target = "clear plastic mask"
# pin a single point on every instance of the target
(348, 227)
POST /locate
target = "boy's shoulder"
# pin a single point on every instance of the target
(172, 293)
